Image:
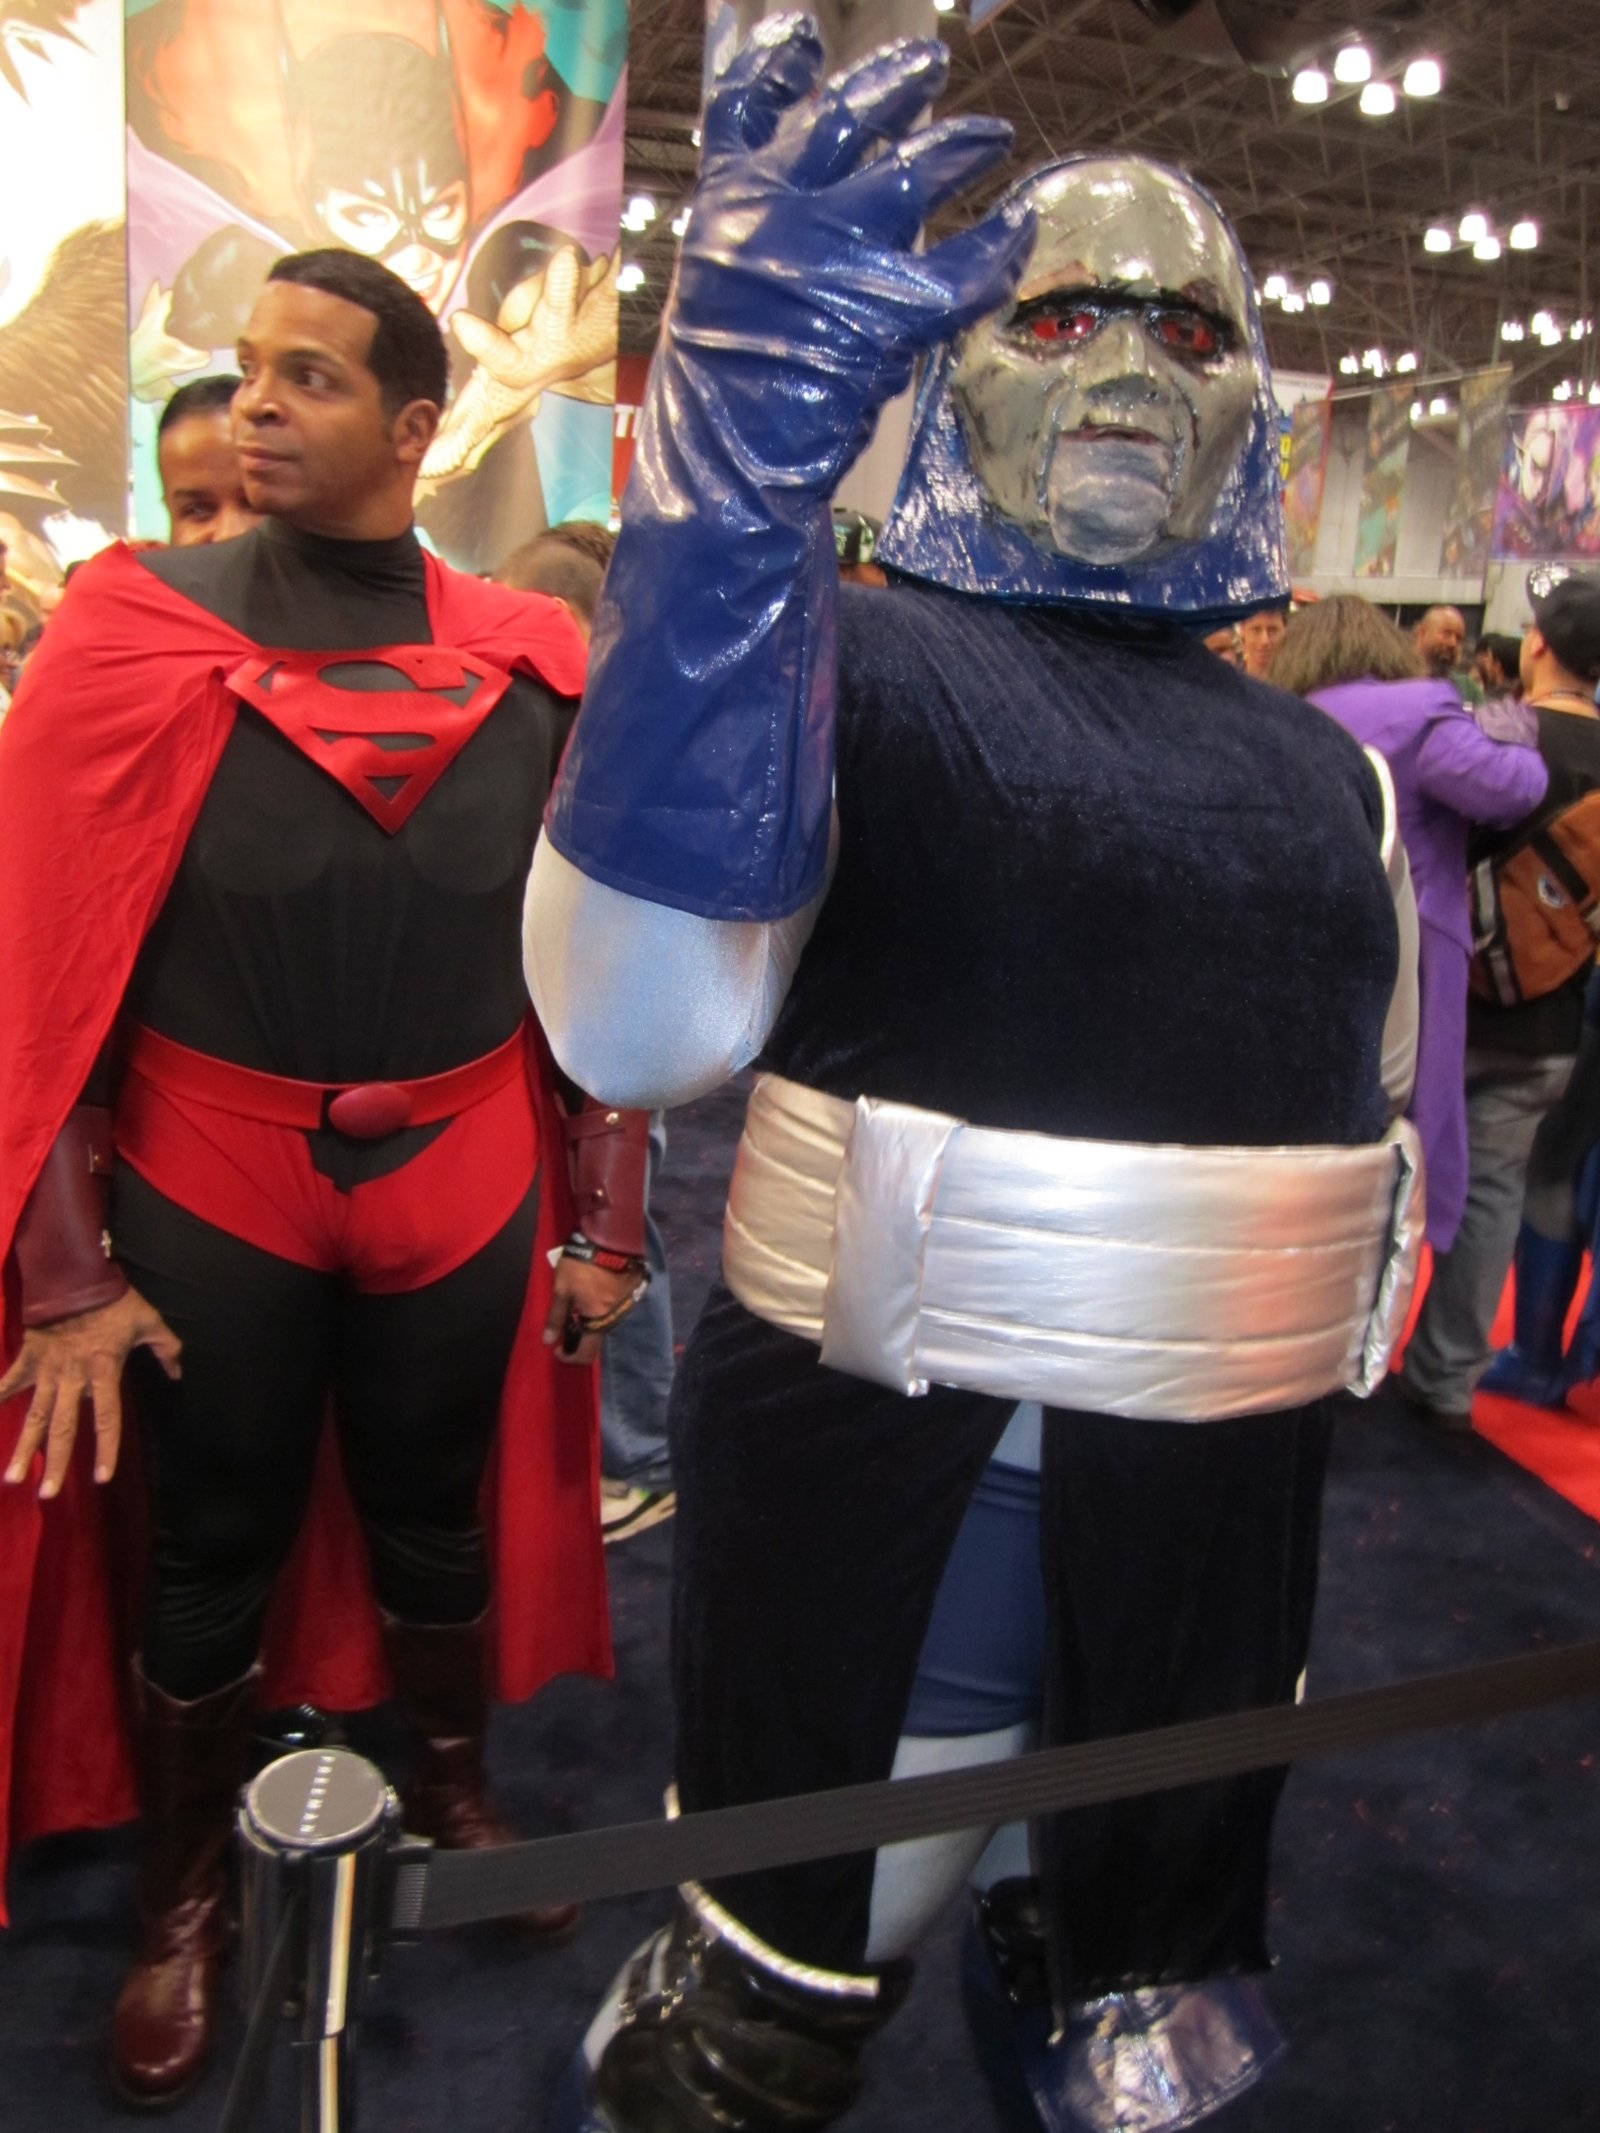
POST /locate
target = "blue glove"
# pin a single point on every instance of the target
(700, 771)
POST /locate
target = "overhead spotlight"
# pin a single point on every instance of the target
(1294, 304)
(1352, 65)
(1275, 288)
(944, 7)
(1486, 248)
(1563, 391)
(1541, 322)
(1437, 239)
(1424, 77)
(1473, 226)
(1512, 329)
(1552, 339)
(1581, 329)
(694, 136)
(1524, 236)
(1594, 395)
(1438, 407)
(1407, 362)
(1350, 365)
(1378, 100)
(680, 222)
(1310, 86)
(639, 213)
(1319, 292)
(629, 278)
(1416, 410)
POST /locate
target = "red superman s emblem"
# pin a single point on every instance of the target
(388, 746)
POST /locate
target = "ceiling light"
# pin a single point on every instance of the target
(1594, 395)
(1438, 407)
(1293, 303)
(1563, 391)
(1541, 322)
(1378, 100)
(629, 278)
(1416, 410)
(1473, 226)
(1552, 339)
(1437, 239)
(1350, 365)
(1320, 292)
(694, 136)
(642, 207)
(1275, 288)
(1582, 328)
(1353, 65)
(1310, 86)
(1512, 329)
(680, 222)
(1486, 248)
(943, 7)
(1424, 77)
(1524, 236)
(1407, 362)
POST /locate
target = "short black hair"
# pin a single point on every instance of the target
(1507, 650)
(201, 396)
(567, 562)
(408, 356)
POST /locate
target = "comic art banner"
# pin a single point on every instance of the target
(1383, 481)
(1305, 473)
(1548, 501)
(1480, 441)
(474, 146)
(63, 316)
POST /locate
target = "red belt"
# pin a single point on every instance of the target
(363, 1110)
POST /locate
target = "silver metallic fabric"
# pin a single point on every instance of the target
(1165, 2057)
(1109, 436)
(1162, 1283)
(1397, 1069)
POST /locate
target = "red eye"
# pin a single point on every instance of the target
(1186, 333)
(1063, 327)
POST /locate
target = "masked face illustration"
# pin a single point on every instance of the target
(1541, 453)
(1105, 409)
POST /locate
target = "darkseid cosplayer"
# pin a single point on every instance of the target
(1076, 966)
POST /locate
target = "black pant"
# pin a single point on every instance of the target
(815, 1513)
(414, 1383)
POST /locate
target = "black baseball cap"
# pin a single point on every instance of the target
(1568, 615)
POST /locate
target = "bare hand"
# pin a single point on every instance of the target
(71, 1360)
(583, 1291)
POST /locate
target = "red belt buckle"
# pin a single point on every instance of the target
(369, 1111)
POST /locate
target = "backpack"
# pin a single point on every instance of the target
(1536, 906)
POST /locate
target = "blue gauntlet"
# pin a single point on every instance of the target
(699, 773)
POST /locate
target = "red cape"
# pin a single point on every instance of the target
(105, 758)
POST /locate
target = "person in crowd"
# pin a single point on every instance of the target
(1091, 481)
(280, 882)
(201, 484)
(1260, 635)
(1497, 664)
(1519, 1058)
(568, 562)
(1439, 636)
(1352, 661)
(1225, 644)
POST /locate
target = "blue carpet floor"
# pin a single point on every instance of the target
(1436, 1909)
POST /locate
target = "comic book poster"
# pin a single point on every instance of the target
(1480, 441)
(1548, 501)
(63, 316)
(1305, 471)
(474, 146)
(1383, 481)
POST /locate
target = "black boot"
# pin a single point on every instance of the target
(716, 2033)
(441, 1677)
(190, 1763)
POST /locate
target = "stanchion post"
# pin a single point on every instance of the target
(317, 1831)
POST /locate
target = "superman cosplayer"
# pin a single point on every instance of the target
(1074, 964)
(262, 897)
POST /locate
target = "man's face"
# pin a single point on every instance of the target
(315, 445)
(1106, 408)
(1440, 635)
(200, 480)
(1261, 635)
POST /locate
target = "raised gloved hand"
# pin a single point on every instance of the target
(699, 772)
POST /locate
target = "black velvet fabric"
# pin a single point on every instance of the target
(815, 1514)
(1091, 881)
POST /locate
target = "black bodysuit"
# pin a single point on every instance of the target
(301, 938)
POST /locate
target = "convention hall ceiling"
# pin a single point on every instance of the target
(1319, 192)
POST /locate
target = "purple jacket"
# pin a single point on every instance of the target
(1447, 775)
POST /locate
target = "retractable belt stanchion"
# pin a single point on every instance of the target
(321, 1848)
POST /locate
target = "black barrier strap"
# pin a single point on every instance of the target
(244, 2091)
(466, 1887)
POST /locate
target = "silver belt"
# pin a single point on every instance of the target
(1166, 1283)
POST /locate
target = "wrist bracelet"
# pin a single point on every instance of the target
(578, 1246)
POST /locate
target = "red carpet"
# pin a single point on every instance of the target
(1563, 1450)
